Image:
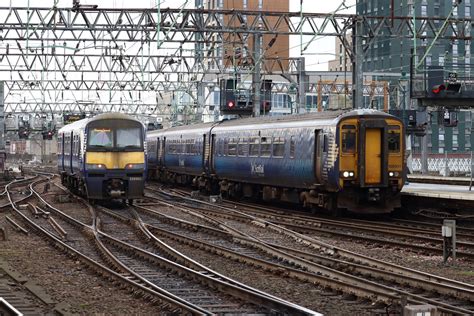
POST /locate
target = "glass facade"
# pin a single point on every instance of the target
(392, 54)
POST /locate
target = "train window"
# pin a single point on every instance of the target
(172, 147)
(226, 146)
(254, 146)
(232, 149)
(219, 147)
(242, 147)
(278, 147)
(349, 139)
(393, 139)
(151, 146)
(266, 147)
(188, 146)
(101, 137)
(325, 144)
(292, 147)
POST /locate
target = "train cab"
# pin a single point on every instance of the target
(371, 160)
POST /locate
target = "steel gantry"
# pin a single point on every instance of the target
(53, 55)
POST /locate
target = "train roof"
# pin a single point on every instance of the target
(318, 118)
(182, 128)
(104, 116)
(314, 118)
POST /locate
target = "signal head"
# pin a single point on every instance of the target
(438, 88)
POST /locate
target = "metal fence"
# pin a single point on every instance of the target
(447, 165)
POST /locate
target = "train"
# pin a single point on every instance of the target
(335, 160)
(103, 157)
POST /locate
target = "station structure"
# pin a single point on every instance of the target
(167, 65)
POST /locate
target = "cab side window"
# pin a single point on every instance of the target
(393, 139)
(349, 139)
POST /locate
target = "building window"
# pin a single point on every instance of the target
(467, 12)
(423, 10)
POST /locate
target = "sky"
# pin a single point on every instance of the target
(317, 55)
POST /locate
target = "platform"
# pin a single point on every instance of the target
(439, 191)
(438, 179)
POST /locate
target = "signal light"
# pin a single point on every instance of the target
(230, 104)
(438, 88)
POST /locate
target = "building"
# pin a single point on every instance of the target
(237, 52)
(394, 54)
(342, 62)
(390, 54)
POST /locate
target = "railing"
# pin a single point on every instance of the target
(451, 164)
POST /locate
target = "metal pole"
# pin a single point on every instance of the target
(199, 59)
(256, 76)
(470, 182)
(445, 162)
(357, 60)
(472, 165)
(301, 85)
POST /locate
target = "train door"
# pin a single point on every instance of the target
(162, 153)
(71, 151)
(157, 154)
(318, 142)
(205, 153)
(62, 152)
(373, 155)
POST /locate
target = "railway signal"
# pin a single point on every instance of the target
(438, 88)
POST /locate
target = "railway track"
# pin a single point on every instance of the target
(369, 268)
(424, 240)
(175, 287)
(18, 292)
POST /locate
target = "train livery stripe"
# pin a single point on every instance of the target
(115, 160)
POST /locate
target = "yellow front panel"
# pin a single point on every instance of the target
(373, 155)
(115, 160)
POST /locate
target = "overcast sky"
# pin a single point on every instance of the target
(318, 53)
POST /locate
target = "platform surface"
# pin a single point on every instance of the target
(441, 191)
(416, 177)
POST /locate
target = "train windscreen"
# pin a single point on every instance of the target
(115, 135)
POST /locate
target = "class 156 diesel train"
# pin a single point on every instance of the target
(335, 160)
(103, 157)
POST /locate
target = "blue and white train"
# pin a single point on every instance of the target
(103, 157)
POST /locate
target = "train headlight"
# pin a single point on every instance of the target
(135, 166)
(348, 174)
(393, 174)
(95, 166)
